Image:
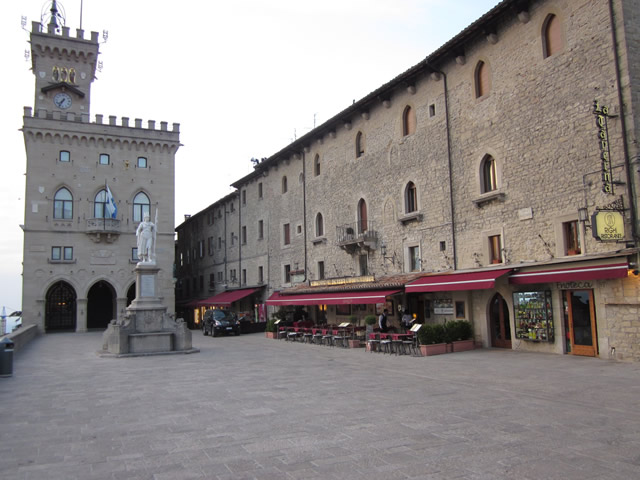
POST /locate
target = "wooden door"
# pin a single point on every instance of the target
(581, 322)
(499, 321)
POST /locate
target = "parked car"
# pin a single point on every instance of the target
(216, 322)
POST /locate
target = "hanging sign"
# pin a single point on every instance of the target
(602, 113)
(608, 226)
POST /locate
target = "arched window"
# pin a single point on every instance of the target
(489, 176)
(362, 216)
(408, 121)
(481, 79)
(100, 205)
(141, 207)
(63, 204)
(410, 198)
(284, 184)
(316, 165)
(319, 225)
(359, 145)
(551, 36)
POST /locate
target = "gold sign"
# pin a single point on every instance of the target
(602, 113)
(608, 226)
(342, 281)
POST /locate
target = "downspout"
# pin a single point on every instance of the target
(304, 211)
(226, 282)
(623, 124)
(240, 238)
(451, 205)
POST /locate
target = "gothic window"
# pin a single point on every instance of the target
(552, 41)
(489, 177)
(408, 121)
(410, 198)
(141, 207)
(481, 79)
(63, 204)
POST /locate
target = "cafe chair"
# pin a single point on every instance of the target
(386, 346)
(374, 343)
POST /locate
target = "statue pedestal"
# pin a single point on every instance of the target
(147, 329)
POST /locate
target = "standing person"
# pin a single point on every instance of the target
(406, 319)
(382, 321)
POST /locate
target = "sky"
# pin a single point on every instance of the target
(242, 78)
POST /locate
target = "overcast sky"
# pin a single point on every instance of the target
(243, 79)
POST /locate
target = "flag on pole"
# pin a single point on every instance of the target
(111, 206)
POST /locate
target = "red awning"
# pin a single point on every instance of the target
(456, 281)
(571, 274)
(225, 299)
(336, 298)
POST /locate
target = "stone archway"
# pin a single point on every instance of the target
(131, 293)
(100, 305)
(60, 308)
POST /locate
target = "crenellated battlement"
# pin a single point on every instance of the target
(112, 120)
(36, 27)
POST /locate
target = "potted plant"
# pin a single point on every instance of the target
(271, 330)
(460, 333)
(432, 339)
(370, 320)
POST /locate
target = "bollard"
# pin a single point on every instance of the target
(6, 357)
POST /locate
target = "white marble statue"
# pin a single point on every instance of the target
(146, 234)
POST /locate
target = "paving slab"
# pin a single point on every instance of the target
(249, 407)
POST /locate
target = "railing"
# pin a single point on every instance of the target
(107, 225)
(352, 234)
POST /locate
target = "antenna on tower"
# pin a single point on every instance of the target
(53, 15)
(80, 14)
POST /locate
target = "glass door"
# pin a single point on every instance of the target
(581, 322)
(499, 322)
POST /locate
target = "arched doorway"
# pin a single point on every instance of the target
(499, 321)
(100, 305)
(60, 308)
(131, 294)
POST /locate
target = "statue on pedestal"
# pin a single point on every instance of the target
(146, 234)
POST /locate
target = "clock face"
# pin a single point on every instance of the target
(62, 100)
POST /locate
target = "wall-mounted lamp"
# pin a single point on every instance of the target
(583, 217)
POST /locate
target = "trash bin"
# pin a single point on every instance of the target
(6, 357)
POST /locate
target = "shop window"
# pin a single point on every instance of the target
(410, 198)
(63, 204)
(359, 145)
(571, 238)
(64, 156)
(408, 121)
(552, 41)
(316, 165)
(481, 79)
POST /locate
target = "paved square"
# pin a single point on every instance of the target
(251, 408)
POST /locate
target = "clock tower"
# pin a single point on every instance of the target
(64, 65)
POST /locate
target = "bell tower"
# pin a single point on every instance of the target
(64, 66)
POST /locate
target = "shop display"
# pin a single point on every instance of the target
(533, 316)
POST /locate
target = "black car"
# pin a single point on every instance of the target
(216, 322)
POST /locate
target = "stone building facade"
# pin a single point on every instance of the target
(495, 181)
(79, 246)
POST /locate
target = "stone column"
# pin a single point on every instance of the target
(81, 315)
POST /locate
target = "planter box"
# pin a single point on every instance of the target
(271, 334)
(464, 345)
(354, 343)
(433, 349)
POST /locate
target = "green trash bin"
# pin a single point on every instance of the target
(6, 357)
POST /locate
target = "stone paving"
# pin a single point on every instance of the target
(251, 408)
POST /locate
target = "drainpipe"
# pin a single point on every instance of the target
(240, 238)
(623, 124)
(304, 210)
(451, 205)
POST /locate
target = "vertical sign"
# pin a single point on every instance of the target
(602, 113)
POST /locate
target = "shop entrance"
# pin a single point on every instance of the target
(499, 320)
(580, 322)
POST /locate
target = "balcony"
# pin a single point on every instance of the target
(103, 229)
(351, 237)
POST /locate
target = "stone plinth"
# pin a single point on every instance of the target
(147, 329)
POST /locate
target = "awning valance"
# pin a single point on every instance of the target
(335, 298)
(456, 281)
(225, 299)
(571, 274)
